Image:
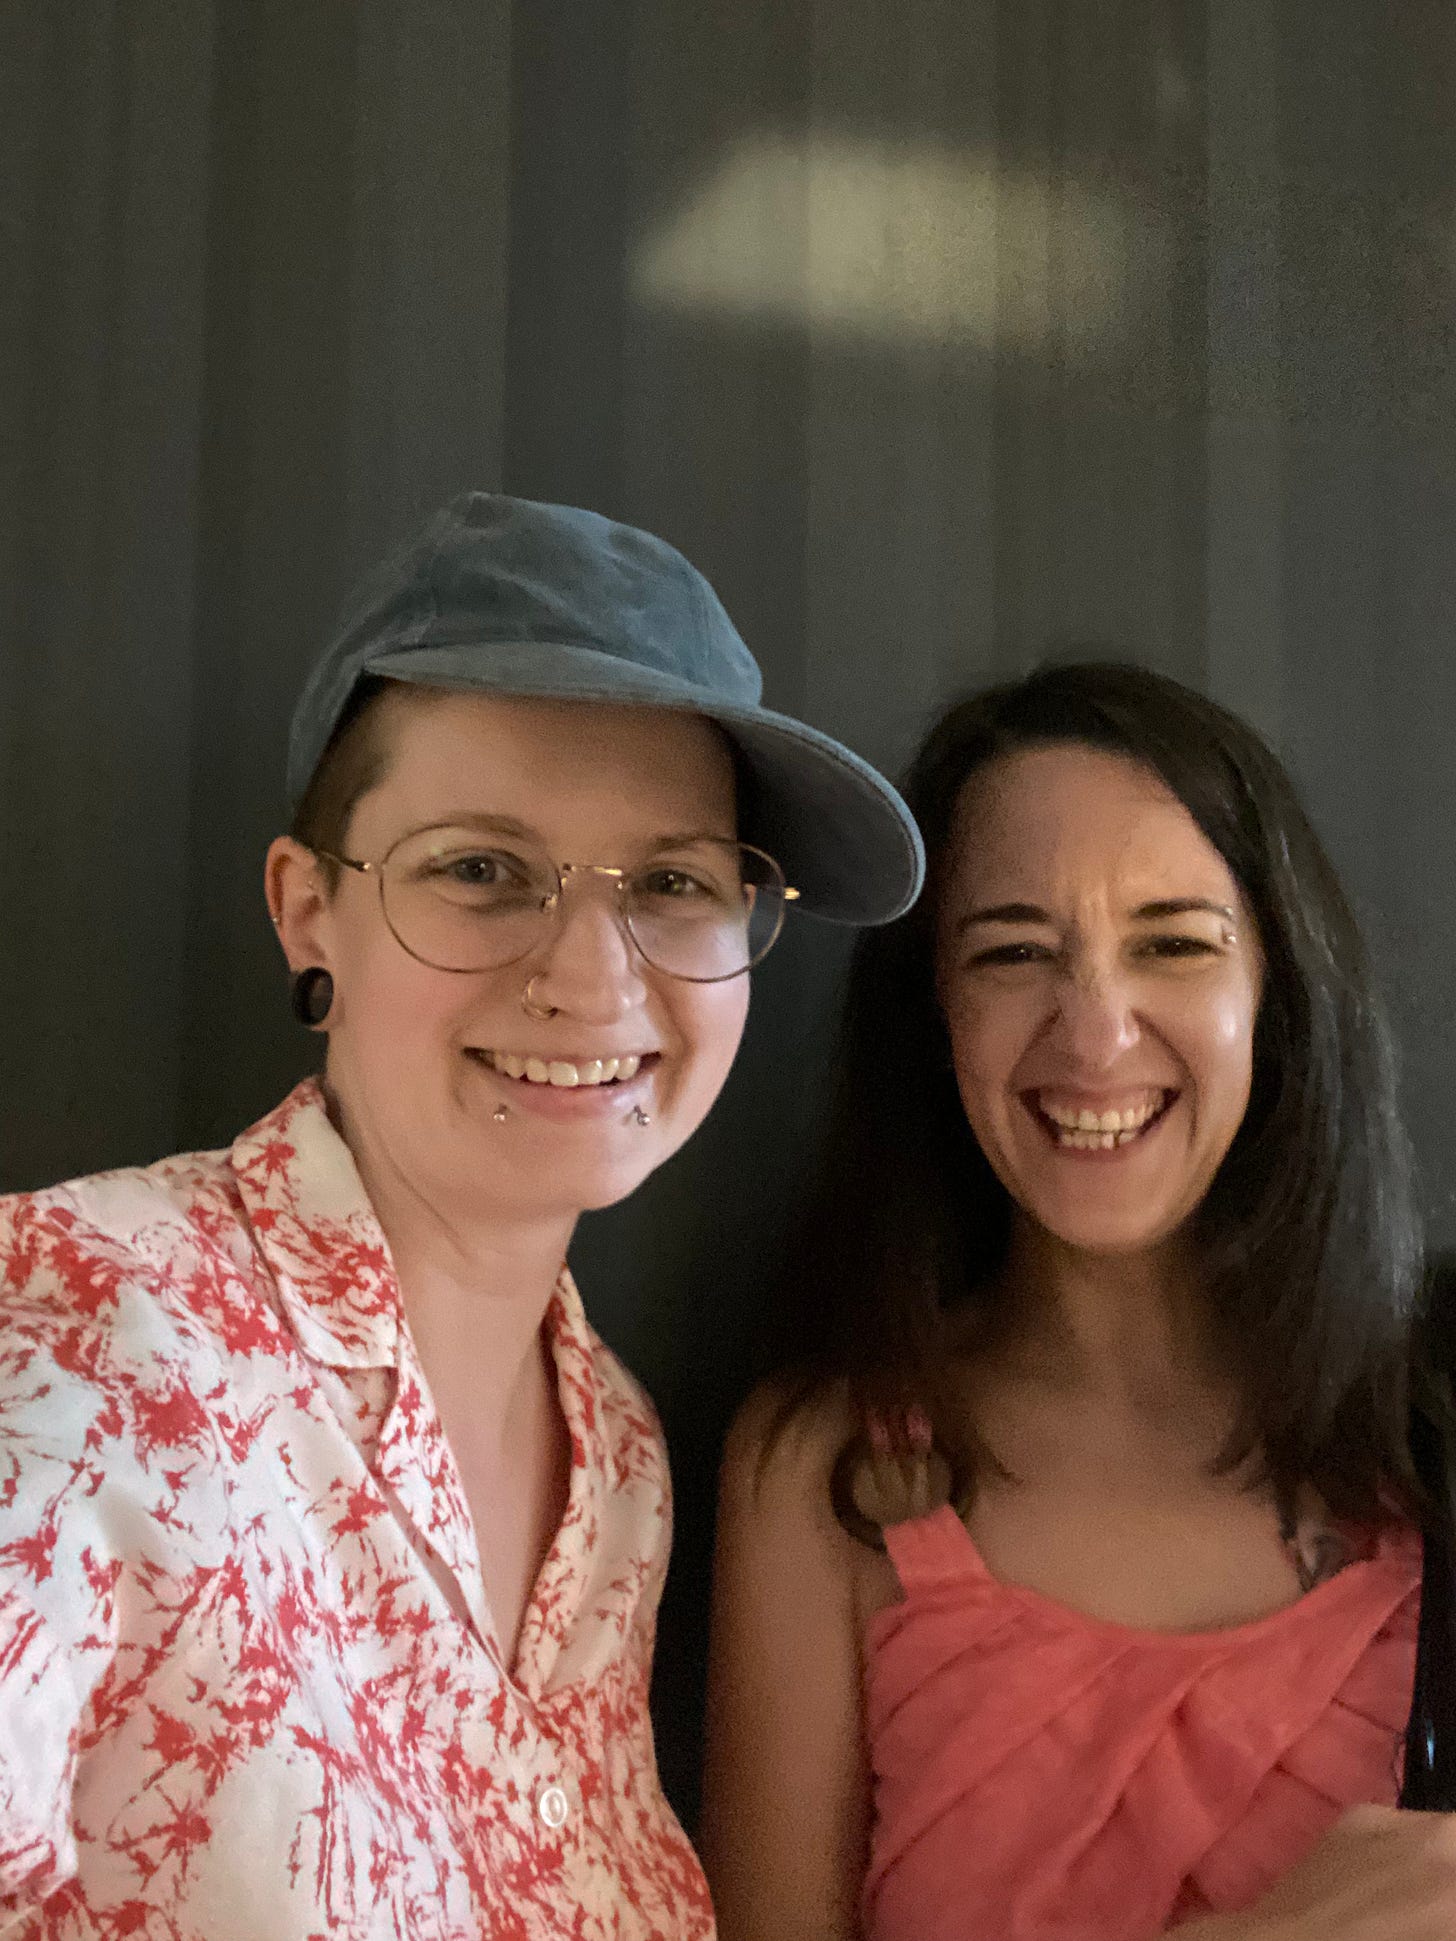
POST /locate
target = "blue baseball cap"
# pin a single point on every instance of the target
(500, 595)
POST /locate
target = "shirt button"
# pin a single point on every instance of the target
(553, 1806)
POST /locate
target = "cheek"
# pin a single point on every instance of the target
(1225, 1031)
(983, 1056)
(393, 1005)
(1233, 1023)
(710, 1021)
(988, 1033)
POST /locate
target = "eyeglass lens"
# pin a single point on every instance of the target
(705, 910)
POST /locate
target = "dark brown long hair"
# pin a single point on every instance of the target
(1308, 1236)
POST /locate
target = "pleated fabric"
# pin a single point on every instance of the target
(1040, 1775)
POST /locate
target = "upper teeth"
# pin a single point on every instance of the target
(559, 1071)
(1082, 1119)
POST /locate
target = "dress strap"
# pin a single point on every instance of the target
(933, 1549)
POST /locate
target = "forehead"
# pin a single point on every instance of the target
(571, 769)
(1050, 822)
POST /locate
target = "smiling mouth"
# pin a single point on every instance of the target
(1075, 1128)
(566, 1074)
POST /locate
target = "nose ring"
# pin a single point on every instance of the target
(529, 1005)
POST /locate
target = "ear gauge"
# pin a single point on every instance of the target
(311, 996)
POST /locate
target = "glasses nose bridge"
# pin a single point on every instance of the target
(565, 871)
(614, 870)
(554, 906)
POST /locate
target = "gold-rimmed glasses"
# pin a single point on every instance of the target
(702, 908)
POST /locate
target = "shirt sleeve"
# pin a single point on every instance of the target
(57, 1582)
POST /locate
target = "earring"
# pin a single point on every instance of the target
(311, 996)
(529, 1005)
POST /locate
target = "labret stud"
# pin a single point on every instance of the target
(642, 1118)
(501, 1114)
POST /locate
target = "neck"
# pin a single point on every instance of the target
(1126, 1330)
(475, 1285)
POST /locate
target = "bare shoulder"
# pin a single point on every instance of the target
(783, 1444)
(775, 1490)
(786, 1784)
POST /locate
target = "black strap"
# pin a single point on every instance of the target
(1430, 1734)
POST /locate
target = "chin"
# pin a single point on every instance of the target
(1111, 1244)
(1108, 1237)
(608, 1197)
(1099, 1229)
(594, 1191)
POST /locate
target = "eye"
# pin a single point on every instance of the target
(1177, 946)
(1012, 955)
(483, 878)
(673, 883)
(486, 870)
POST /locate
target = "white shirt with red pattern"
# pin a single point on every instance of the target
(249, 1689)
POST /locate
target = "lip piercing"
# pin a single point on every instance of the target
(642, 1118)
(529, 1005)
(501, 1114)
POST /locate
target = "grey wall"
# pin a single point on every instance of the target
(252, 327)
(941, 335)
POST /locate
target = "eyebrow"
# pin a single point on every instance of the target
(512, 826)
(1003, 913)
(1157, 912)
(480, 819)
(687, 838)
(1181, 906)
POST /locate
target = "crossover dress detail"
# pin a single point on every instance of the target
(249, 1684)
(1040, 1775)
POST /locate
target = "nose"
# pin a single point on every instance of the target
(588, 966)
(1095, 1021)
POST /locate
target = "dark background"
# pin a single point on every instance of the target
(940, 334)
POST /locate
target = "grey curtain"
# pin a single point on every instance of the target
(943, 336)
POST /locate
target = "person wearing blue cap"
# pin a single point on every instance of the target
(331, 1536)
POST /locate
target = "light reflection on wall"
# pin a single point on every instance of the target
(905, 243)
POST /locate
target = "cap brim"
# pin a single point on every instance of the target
(845, 839)
(842, 835)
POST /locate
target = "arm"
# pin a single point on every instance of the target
(41, 1697)
(56, 1577)
(55, 1644)
(786, 1796)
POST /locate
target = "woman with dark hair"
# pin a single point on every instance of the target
(331, 1535)
(1068, 1586)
